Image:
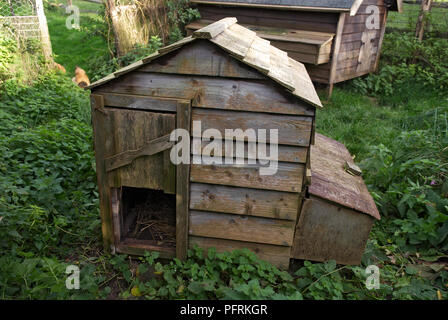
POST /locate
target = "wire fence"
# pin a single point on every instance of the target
(437, 23)
(19, 18)
(25, 20)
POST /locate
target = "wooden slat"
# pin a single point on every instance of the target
(285, 153)
(140, 102)
(304, 88)
(367, 51)
(331, 182)
(289, 176)
(236, 40)
(337, 46)
(289, 19)
(242, 201)
(281, 34)
(258, 4)
(182, 186)
(99, 121)
(209, 92)
(131, 131)
(279, 70)
(169, 171)
(140, 247)
(125, 158)
(259, 55)
(212, 30)
(326, 231)
(202, 58)
(176, 45)
(292, 130)
(234, 227)
(276, 255)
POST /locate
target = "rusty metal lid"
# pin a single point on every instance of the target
(331, 181)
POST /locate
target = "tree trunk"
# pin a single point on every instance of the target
(43, 27)
(69, 2)
(112, 14)
(422, 19)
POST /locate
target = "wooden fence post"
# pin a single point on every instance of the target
(422, 19)
(43, 27)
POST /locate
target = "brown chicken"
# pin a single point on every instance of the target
(81, 78)
(59, 67)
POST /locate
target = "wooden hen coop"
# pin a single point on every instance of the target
(227, 78)
(337, 40)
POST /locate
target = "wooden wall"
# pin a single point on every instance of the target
(348, 64)
(355, 58)
(230, 206)
(302, 20)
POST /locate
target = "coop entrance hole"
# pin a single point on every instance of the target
(147, 217)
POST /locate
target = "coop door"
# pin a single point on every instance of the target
(367, 51)
(142, 180)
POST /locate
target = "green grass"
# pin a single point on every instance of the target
(76, 47)
(407, 20)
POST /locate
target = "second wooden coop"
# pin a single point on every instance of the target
(227, 78)
(337, 40)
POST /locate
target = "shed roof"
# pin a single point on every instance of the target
(245, 46)
(318, 5)
(330, 180)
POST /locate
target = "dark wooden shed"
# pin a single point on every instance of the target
(331, 37)
(228, 78)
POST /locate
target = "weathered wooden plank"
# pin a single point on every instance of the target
(304, 88)
(266, 15)
(202, 58)
(132, 130)
(182, 186)
(276, 5)
(250, 202)
(259, 55)
(337, 47)
(326, 231)
(140, 247)
(212, 30)
(330, 181)
(99, 121)
(139, 102)
(289, 176)
(236, 40)
(281, 34)
(367, 50)
(242, 228)
(285, 153)
(176, 45)
(292, 130)
(126, 157)
(279, 70)
(169, 170)
(276, 255)
(210, 92)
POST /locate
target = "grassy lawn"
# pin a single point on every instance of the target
(76, 47)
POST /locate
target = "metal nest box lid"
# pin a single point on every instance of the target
(244, 45)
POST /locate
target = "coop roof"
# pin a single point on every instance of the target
(316, 5)
(331, 178)
(245, 46)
